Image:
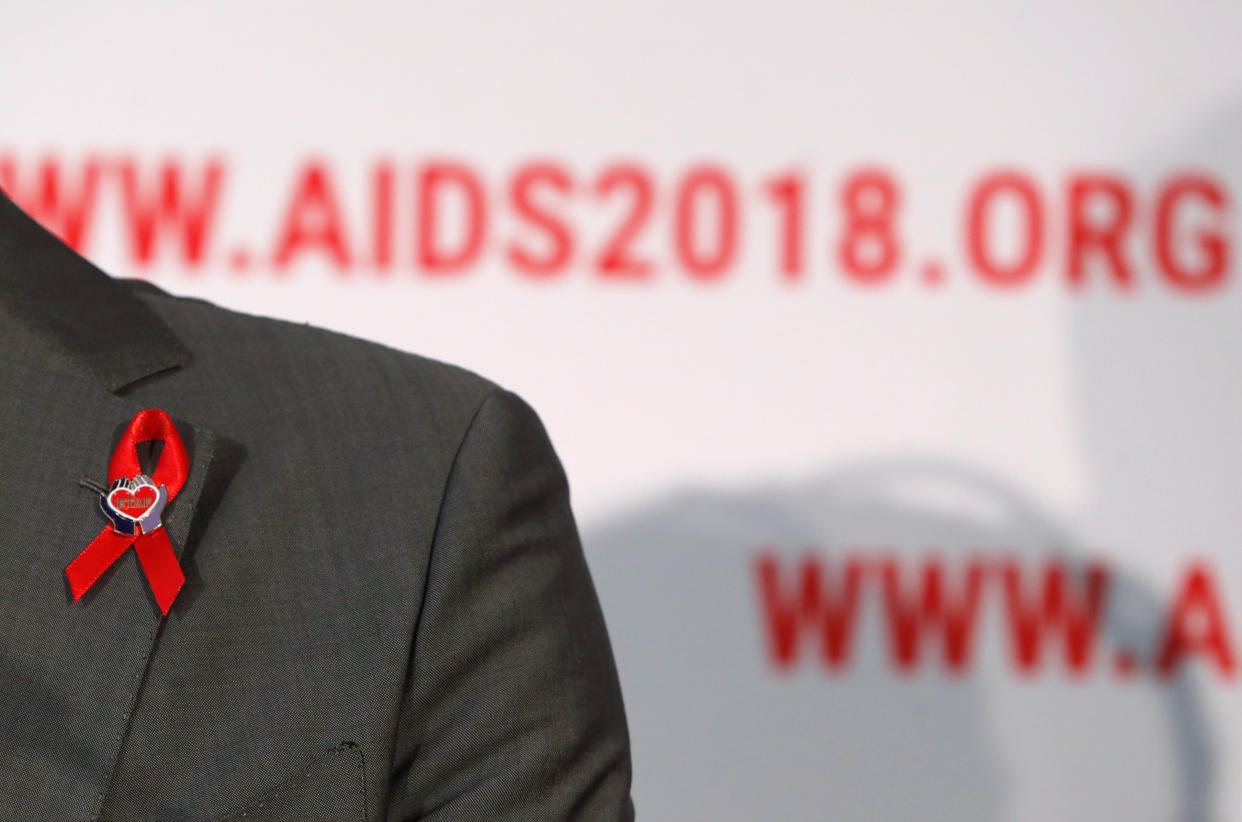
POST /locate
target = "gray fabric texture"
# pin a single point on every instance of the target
(387, 613)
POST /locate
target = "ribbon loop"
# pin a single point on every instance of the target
(133, 504)
(151, 424)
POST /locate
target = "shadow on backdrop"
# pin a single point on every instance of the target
(720, 734)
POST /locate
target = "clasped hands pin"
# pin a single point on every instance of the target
(134, 501)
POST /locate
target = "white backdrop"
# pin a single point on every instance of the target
(701, 420)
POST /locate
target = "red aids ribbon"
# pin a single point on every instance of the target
(134, 503)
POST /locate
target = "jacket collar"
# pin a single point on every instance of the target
(60, 425)
(61, 296)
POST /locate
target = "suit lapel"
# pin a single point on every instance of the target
(70, 672)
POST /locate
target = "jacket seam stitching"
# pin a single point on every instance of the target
(435, 535)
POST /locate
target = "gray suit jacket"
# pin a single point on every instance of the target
(387, 612)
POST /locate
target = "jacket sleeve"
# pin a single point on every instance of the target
(513, 707)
